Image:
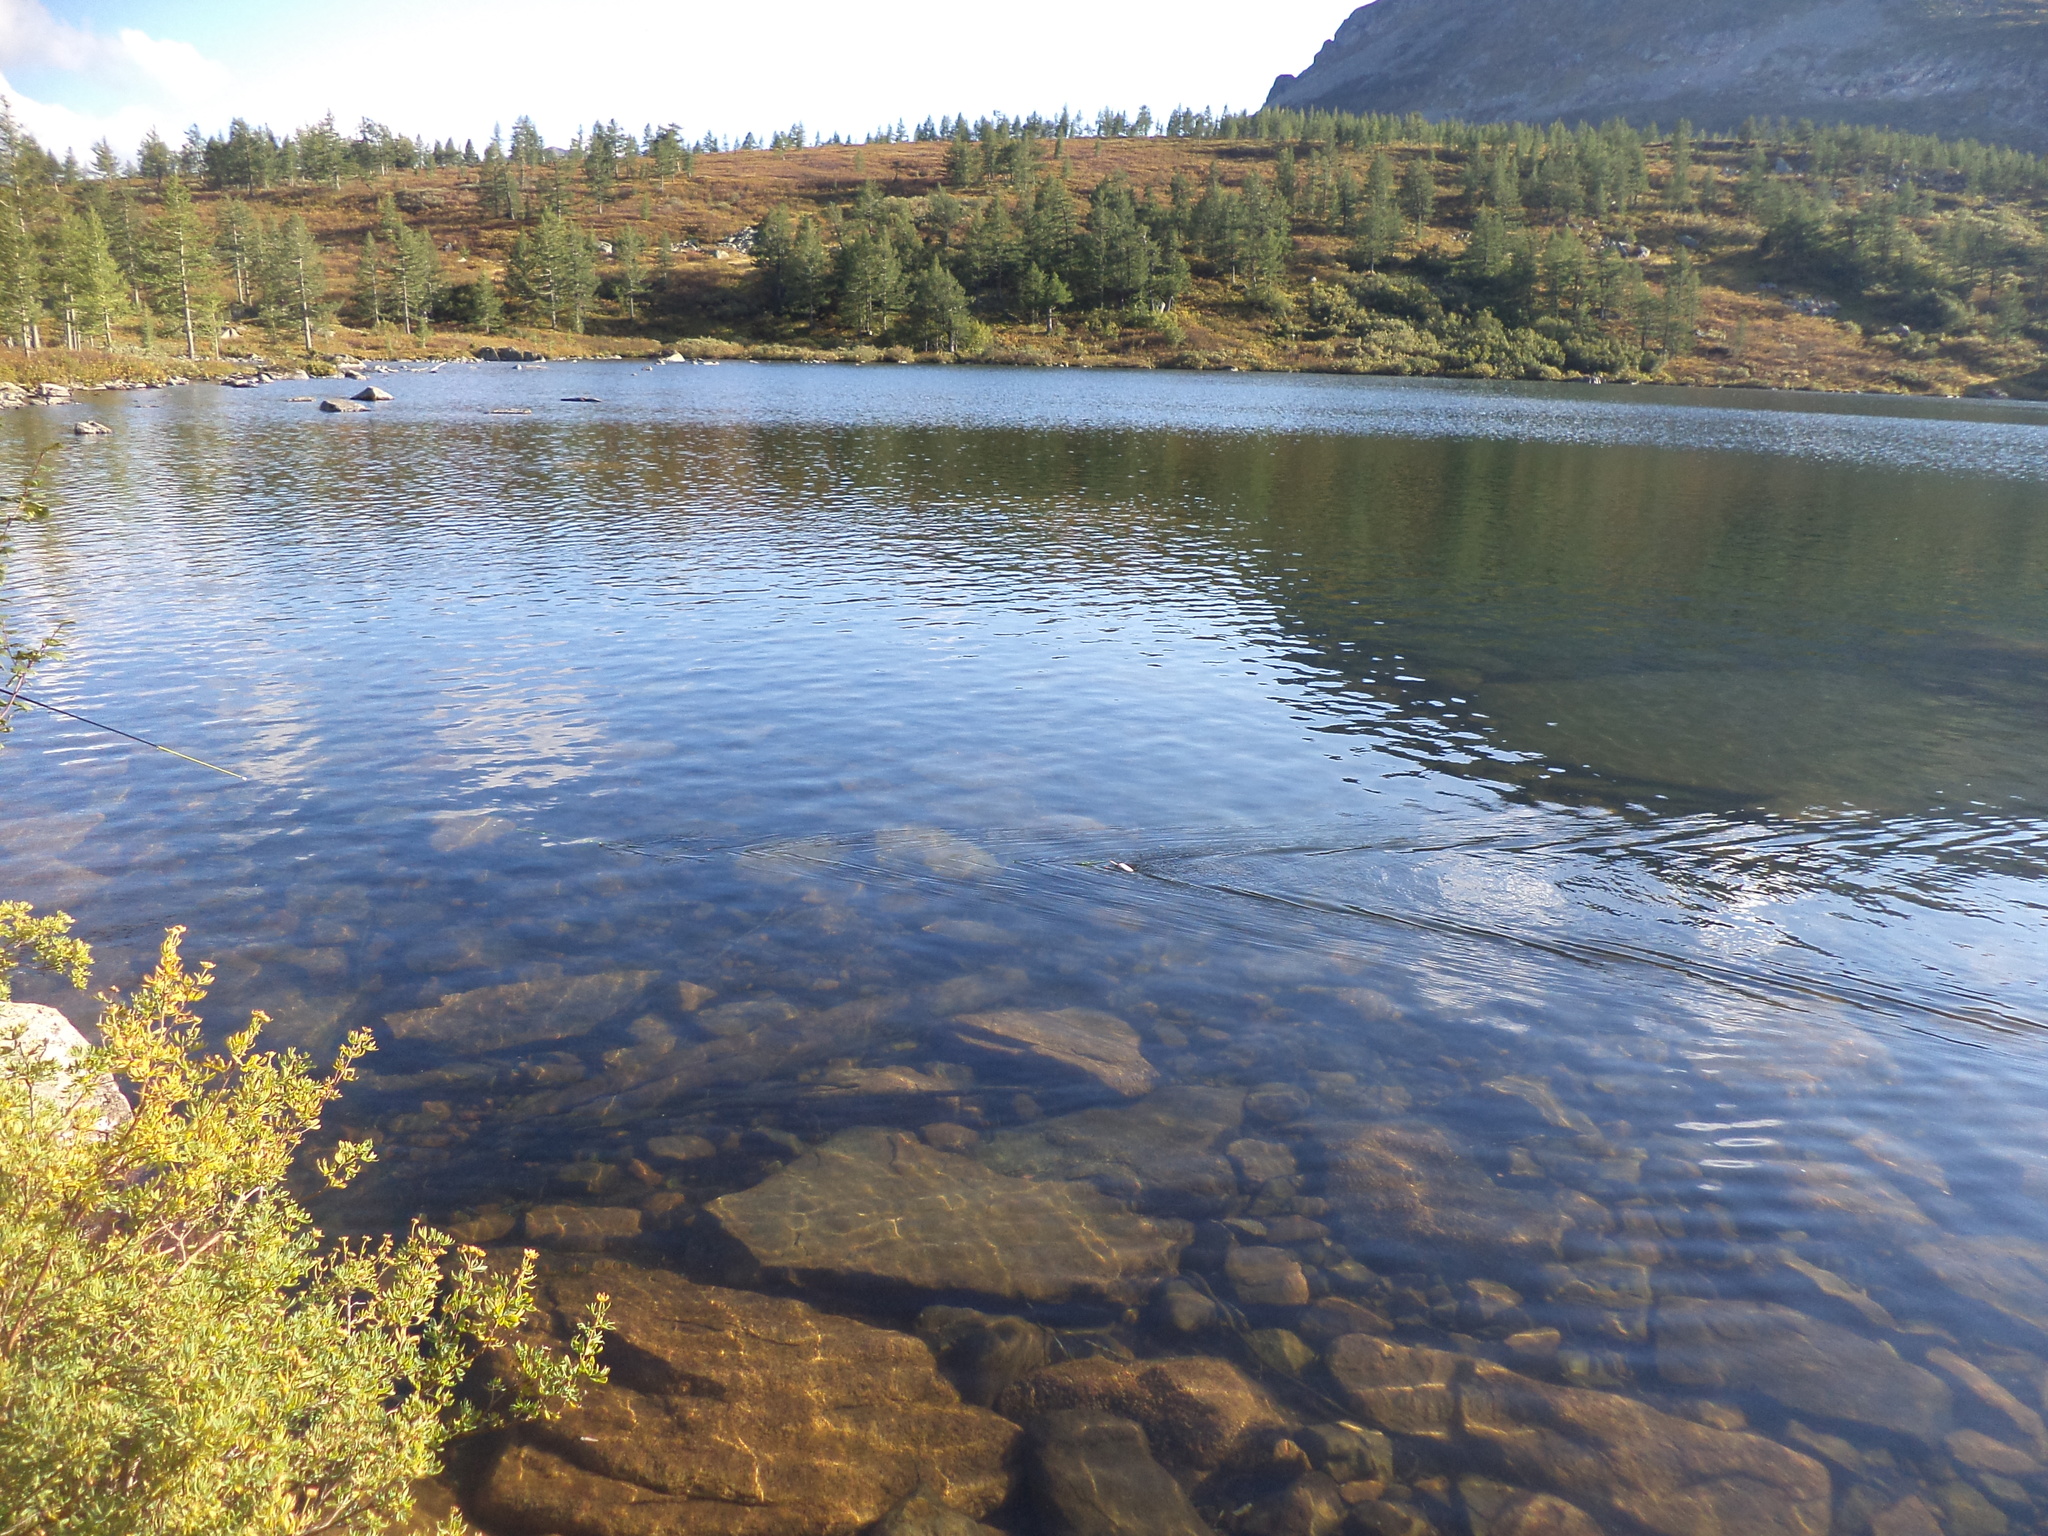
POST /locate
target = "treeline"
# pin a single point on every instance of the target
(1458, 247)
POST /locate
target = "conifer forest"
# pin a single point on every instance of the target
(1772, 253)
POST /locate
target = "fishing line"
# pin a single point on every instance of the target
(144, 740)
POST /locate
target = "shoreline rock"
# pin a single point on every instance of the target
(42, 1032)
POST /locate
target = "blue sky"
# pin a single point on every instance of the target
(78, 68)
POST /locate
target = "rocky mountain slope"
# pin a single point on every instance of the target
(1960, 68)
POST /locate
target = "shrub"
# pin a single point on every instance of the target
(178, 1353)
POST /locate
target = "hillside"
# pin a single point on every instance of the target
(1830, 259)
(1960, 68)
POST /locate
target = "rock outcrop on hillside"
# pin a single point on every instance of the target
(1959, 68)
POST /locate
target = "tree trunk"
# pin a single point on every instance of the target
(305, 308)
(185, 303)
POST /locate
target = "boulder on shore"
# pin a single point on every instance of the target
(40, 1033)
(733, 1414)
(874, 1209)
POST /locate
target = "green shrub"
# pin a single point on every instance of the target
(178, 1351)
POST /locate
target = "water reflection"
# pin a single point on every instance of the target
(1466, 918)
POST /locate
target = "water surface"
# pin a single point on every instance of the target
(1642, 792)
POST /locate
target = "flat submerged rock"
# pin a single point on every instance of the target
(731, 1414)
(523, 1012)
(1159, 1153)
(1082, 1040)
(879, 1209)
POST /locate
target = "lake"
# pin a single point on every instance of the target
(1505, 918)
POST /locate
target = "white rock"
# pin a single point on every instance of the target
(43, 1034)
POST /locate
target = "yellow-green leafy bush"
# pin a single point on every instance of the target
(178, 1350)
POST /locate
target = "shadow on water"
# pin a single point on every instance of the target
(1389, 891)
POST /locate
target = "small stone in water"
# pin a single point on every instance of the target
(1308, 1506)
(1092, 1474)
(1266, 1277)
(948, 1137)
(1347, 1452)
(1279, 1350)
(1179, 1306)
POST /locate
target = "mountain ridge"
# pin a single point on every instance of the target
(1959, 68)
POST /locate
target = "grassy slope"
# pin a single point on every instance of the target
(709, 297)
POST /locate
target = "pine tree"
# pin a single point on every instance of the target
(96, 284)
(181, 260)
(1418, 192)
(294, 282)
(1681, 307)
(601, 164)
(237, 234)
(1678, 189)
(370, 283)
(938, 306)
(992, 250)
(1380, 227)
(960, 157)
(1042, 295)
(629, 247)
(870, 281)
(805, 277)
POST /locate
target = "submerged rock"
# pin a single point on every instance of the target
(1092, 1474)
(1084, 1040)
(984, 1355)
(943, 854)
(585, 1228)
(1196, 1411)
(880, 1209)
(770, 1050)
(1614, 1457)
(732, 1414)
(1159, 1153)
(1308, 1506)
(1494, 1509)
(1410, 1187)
(523, 1012)
(1802, 1362)
(923, 1515)
(2007, 1274)
(1265, 1277)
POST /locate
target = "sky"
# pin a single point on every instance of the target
(79, 69)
